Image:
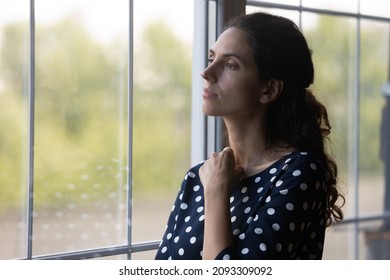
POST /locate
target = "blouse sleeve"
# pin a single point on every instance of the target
(289, 220)
(174, 238)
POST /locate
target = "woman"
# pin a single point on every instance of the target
(273, 191)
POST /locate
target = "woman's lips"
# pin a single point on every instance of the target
(208, 93)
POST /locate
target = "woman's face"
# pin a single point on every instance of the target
(232, 86)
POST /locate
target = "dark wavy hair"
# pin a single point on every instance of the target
(296, 117)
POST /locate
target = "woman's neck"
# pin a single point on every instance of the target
(251, 150)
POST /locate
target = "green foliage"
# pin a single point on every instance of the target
(13, 113)
(162, 110)
(81, 116)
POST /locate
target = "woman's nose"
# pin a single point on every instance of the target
(208, 73)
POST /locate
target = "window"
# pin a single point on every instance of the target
(100, 118)
(95, 89)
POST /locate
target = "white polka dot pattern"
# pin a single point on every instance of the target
(278, 213)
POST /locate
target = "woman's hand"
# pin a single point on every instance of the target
(220, 171)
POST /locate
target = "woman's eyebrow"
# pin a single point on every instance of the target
(211, 51)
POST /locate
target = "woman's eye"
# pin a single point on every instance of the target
(210, 60)
(230, 66)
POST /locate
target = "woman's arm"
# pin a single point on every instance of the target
(218, 174)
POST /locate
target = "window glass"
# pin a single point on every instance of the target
(374, 139)
(284, 2)
(80, 125)
(335, 86)
(291, 14)
(350, 6)
(162, 112)
(14, 63)
(379, 8)
(81, 121)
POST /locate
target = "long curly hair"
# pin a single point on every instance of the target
(296, 118)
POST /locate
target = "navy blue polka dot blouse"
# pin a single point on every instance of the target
(278, 213)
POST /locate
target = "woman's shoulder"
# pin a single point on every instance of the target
(302, 166)
(300, 160)
(295, 160)
(299, 157)
(191, 177)
(193, 172)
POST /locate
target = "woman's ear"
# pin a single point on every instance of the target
(271, 91)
